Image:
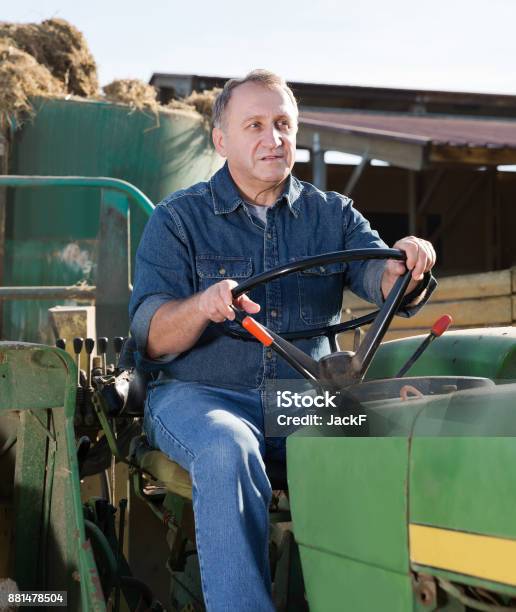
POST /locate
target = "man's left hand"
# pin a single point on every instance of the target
(420, 259)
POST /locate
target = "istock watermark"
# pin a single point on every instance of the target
(349, 420)
(294, 404)
(288, 398)
(408, 407)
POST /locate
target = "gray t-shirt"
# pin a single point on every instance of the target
(258, 211)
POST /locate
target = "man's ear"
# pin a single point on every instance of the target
(218, 138)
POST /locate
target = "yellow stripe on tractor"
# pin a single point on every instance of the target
(482, 556)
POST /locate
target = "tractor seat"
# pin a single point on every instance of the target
(173, 477)
(176, 479)
(127, 396)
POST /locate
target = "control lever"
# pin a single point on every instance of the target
(96, 367)
(77, 348)
(438, 329)
(118, 343)
(61, 343)
(89, 415)
(89, 345)
(102, 344)
(302, 362)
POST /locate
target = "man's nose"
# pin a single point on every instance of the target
(272, 137)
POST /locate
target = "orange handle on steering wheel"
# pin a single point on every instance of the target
(256, 330)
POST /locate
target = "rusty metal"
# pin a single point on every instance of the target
(412, 141)
(440, 131)
(408, 391)
(425, 589)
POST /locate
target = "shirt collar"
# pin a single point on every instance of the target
(226, 197)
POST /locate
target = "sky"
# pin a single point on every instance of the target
(455, 45)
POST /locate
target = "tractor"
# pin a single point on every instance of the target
(412, 511)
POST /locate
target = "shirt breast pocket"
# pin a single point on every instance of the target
(320, 293)
(212, 269)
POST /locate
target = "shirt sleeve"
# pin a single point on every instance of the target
(163, 273)
(364, 278)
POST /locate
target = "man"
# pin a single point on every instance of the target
(205, 410)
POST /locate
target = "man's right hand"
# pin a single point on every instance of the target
(215, 302)
(177, 325)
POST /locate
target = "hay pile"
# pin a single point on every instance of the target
(201, 102)
(52, 59)
(141, 96)
(61, 48)
(46, 59)
(133, 92)
(20, 77)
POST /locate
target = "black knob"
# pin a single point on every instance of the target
(61, 343)
(102, 344)
(119, 343)
(77, 345)
(89, 344)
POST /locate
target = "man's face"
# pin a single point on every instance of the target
(258, 135)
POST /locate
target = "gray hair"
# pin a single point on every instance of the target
(260, 76)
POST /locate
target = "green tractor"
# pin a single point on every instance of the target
(414, 511)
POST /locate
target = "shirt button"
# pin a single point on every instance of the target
(222, 271)
(268, 353)
(269, 235)
(274, 313)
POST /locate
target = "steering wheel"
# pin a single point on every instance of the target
(340, 368)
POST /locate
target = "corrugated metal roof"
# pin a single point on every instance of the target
(438, 131)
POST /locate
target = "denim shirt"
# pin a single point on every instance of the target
(203, 234)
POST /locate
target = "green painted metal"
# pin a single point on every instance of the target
(29, 489)
(490, 353)
(337, 584)
(466, 483)
(39, 381)
(112, 249)
(55, 232)
(434, 461)
(482, 466)
(157, 153)
(99, 182)
(40, 262)
(363, 505)
(113, 266)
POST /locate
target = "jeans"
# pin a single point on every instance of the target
(217, 435)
